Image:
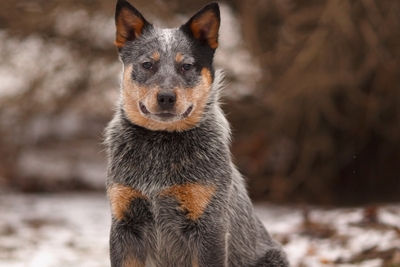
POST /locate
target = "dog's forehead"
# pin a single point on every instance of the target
(167, 42)
(168, 37)
(171, 41)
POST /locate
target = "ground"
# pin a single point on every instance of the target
(62, 230)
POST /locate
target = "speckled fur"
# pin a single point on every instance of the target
(154, 230)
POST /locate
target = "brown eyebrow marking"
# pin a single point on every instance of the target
(121, 197)
(193, 197)
(156, 56)
(179, 57)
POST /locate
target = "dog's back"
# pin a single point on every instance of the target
(176, 197)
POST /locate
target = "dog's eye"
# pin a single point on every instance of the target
(147, 65)
(187, 66)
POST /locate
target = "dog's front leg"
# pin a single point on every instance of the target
(204, 221)
(212, 251)
(131, 217)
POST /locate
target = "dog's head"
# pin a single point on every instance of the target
(168, 73)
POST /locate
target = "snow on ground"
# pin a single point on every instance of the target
(63, 230)
(54, 230)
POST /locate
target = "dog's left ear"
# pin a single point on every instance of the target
(204, 25)
(129, 22)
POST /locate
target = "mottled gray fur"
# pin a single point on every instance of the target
(154, 230)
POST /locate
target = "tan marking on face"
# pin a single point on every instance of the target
(199, 96)
(156, 56)
(178, 57)
(121, 197)
(132, 95)
(193, 198)
(185, 97)
(127, 24)
(207, 23)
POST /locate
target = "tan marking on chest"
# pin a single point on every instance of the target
(121, 197)
(193, 198)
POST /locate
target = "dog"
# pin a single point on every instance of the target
(176, 198)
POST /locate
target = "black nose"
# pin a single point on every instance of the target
(166, 100)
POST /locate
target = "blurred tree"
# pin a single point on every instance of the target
(331, 90)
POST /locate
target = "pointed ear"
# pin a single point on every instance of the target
(204, 25)
(129, 23)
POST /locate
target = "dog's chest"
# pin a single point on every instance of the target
(186, 202)
(176, 210)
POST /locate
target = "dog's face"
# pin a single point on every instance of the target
(168, 73)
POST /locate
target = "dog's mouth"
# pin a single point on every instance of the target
(143, 108)
(188, 111)
(165, 115)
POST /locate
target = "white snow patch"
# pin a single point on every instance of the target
(72, 230)
(351, 238)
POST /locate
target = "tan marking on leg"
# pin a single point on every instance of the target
(195, 263)
(121, 197)
(130, 262)
(178, 57)
(193, 198)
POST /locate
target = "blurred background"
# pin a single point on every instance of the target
(313, 94)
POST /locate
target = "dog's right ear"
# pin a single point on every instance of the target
(129, 22)
(204, 25)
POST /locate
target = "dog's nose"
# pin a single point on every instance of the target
(166, 100)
